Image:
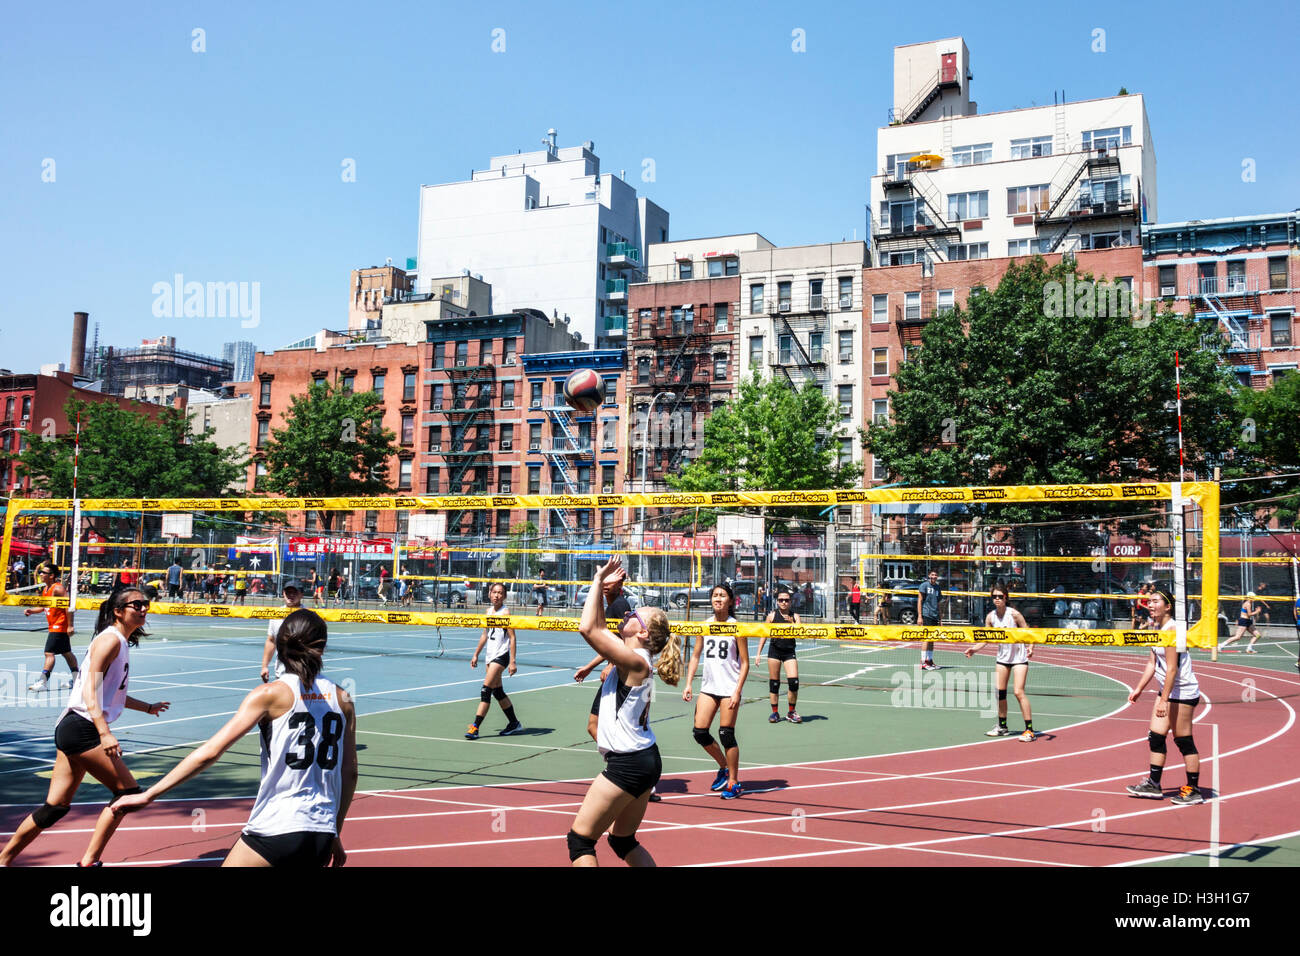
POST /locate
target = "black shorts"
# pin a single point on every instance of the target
(1141, 614)
(929, 621)
(58, 643)
(636, 772)
(781, 650)
(595, 704)
(302, 850)
(75, 735)
(1186, 703)
(503, 660)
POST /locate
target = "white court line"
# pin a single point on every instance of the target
(1218, 789)
(1178, 856)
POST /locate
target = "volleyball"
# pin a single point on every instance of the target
(584, 390)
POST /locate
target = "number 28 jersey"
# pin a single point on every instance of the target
(302, 764)
(721, 660)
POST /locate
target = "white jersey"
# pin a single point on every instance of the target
(1185, 685)
(112, 699)
(721, 657)
(1008, 653)
(498, 642)
(302, 764)
(624, 722)
(272, 632)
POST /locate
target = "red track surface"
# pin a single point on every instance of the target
(1058, 801)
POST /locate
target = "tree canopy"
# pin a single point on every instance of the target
(1268, 443)
(333, 445)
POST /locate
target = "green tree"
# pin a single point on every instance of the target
(770, 437)
(1041, 382)
(127, 453)
(333, 445)
(519, 565)
(1268, 443)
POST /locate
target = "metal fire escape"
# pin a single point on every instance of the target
(810, 361)
(1228, 300)
(1066, 208)
(928, 224)
(687, 377)
(469, 411)
(567, 447)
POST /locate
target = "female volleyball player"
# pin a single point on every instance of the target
(1246, 624)
(617, 799)
(59, 640)
(500, 643)
(82, 738)
(1013, 662)
(726, 665)
(1174, 708)
(782, 652)
(309, 758)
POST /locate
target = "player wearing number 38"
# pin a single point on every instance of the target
(309, 758)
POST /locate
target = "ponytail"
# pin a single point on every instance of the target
(300, 644)
(662, 641)
(107, 616)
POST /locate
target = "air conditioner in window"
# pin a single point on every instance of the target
(608, 447)
(536, 403)
(508, 403)
(846, 302)
(510, 360)
(606, 489)
(460, 363)
(1168, 290)
(507, 444)
(505, 487)
(437, 406)
(535, 446)
(435, 447)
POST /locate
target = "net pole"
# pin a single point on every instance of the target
(1176, 518)
(76, 562)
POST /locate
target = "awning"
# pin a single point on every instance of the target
(18, 546)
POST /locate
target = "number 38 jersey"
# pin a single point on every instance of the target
(302, 764)
(721, 659)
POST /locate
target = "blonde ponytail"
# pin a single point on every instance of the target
(668, 646)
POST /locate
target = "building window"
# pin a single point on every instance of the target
(310, 522)
(642, 370)
(1279, 329)
(1168, 281)
(912, 306)
(607, 524)
(511, 355)
(973, 205)
(27, 407)
(846, 403)
(880, 411)
(259, 474)
(815, 293)
(1022, 247)
(507, 436)
(535, 394)
(431, 480)
(968, 250)
(611, 391)
(1236, 276)
(756, 299)
(1277, 272)
(503, 479)
(846, 452)
(783, 295)
(644, 326)
(1108, 139)
(263, 431)
(732, 267)
(404, 474)
(263, 399)
(534, 435)
(971, 155)
(845, 343)
(606, 479)
(720, 317)
(435, 438)
(785, 348)
(9, 404)
(1026, 199)
(1031, 146)
(348, 384)
(437, 353)
(408, 386)
(377, 385)
(755, 351)
(879, 309)
(715, 268)
(408, 429)
(880, 361)
(508, 393)
(685, 270)
(943, 300)
(878, 472)
(720, 364)
(846, 293)
(534, 479)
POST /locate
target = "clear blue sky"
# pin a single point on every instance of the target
(225, 165)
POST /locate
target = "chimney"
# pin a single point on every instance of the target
(77, 365)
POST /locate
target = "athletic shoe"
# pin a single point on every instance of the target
(999, 731)
(1251, 650)
(1027, 737)
(774, 718)
(96, 863)
(472, 733)
(929, 666)
(655, 798)
(720, 780)
(1187, 796)
(731, 793)
(1147, 788)
(39, 684)
(512, 728)
(794, 718)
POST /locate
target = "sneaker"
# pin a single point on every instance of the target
(794, 718)
(720, 780)
(1251, 650)
(655, 798)
(731, 793)
(999, 731)
(1187, 796)
(512, 728)
(472, 733)
(39, 684)
(1146, 789)
(929, 666)
(1028, 736)
(774, 718)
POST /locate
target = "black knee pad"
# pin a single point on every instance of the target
(1157, 742)
(727, 735)
(774, 686)
(793, 684)
(702, 736)
(485, 693)
(125, 793)
(499, 692)
(1002, 694)
(1186, 745)
(580, 846)
(47, 815)
(622, 846)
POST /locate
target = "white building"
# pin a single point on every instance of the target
(548, 230)
(952, 184)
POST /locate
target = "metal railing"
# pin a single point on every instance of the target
(1223, 285)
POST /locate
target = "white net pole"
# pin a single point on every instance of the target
(1180, 564)
(76, 561)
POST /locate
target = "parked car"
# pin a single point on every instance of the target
(435, 592)
(639, 597)
(702, 596)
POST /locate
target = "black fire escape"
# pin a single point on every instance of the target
(470, 422)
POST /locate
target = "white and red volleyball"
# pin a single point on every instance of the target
(584, 390)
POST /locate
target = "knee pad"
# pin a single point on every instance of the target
(702, 736)
(1157, 742)
(1002, 694)
(1186, 745)
(499, 692)
(48, 815)
(485, 693)
(727, 735)
(774, 686)
(580, 846)
(622, 846)
(793, 684)
(125, 793)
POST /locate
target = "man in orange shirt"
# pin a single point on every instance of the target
(59, 640)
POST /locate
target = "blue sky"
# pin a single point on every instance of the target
(225, 165)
